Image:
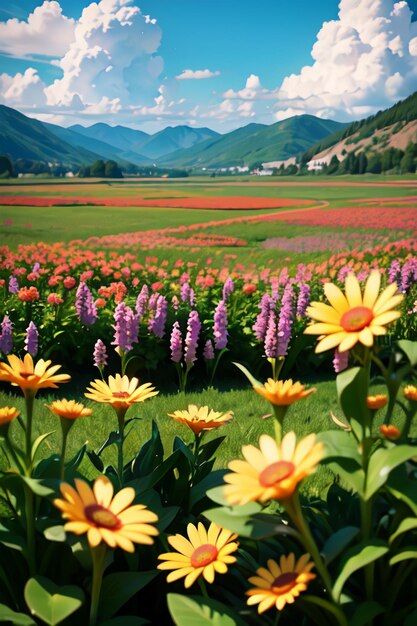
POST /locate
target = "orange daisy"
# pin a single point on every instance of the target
(69, 409)
(200, 418)
(280, 584)
(29, 376)
(205, 552)
(352, 317)
(283, 392)
(103, 517)
(273, 471)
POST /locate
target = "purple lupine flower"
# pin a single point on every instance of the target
(408, 274)
(152, 301)
(36, 267)
(192, 337)
(261, 324)
(285, 320)
(184, 278)
(100, 355)
(85, 305)
(192, 297)
(185, 292)
(176, 343)
(158, 320)
(283, 276)
(13, 284)
(31, 339)
(271, 337)
(344, 273)
(142, 301)
(6, 335)
(220, 326)
(340, 360)
(394, 271)
(228, 288)
(303, 299)
(126, 327)
(208, 352)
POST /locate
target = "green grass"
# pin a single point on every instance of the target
(310, 415)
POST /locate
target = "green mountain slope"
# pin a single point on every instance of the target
(27, 138)
(175, 138)
(401, 113)
(123, 138)
(103, 149)
(257, 143)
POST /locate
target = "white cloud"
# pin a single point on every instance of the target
(252, 90)
(364, 61)
(196, 74)
(46, 32)
(22, 88)
(112, 57)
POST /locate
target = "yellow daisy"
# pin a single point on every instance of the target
(353, 317)
(29, 376)
(280, 584)
(273, 471)
(377, 402)
(69, 409)
(120, 391)
(200, 418)
(8, 414)
(205, 552)
(283, 392)
(104, 517)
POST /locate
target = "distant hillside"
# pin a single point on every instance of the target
(395, 127)
(175, 138)
(256, 143)
(101, 148)
(22, 137)
(129, 141)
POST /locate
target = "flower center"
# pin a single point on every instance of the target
(120, 394)
(276, 472)
(284, 583)
(101, 516)
(204, 555)
(25, 374)
(357, 318)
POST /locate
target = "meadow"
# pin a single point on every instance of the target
(173, 282)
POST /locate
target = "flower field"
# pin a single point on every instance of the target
(180, 287)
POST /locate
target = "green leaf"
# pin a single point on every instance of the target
(186, 610)
(95, 460)
(150, 455)
(199, 491)
(112, 439)
(12, 540)
(352, 390)
(74, 463)
(55, 533)
(208, 449)
(403, 488)
(365, 613)
(338, 541)
(342, 456)
(411, 619)
(118, 588)
(37, 486)
(410, 350)
(407, 524)
(356, 558)
(248, 521)
(38, 442)
(7, 616)
(125, 620)
(251, 379)
(52, 604)
(404, 555)
(382, 462)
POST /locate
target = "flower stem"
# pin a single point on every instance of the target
(98, 556)
(203, 587)
(293, 508)
(120, 442)
(65, 427)
(30, 529)
(29, 399)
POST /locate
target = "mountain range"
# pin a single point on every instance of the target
(304, 136)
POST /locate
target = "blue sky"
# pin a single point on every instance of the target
(216, 63)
